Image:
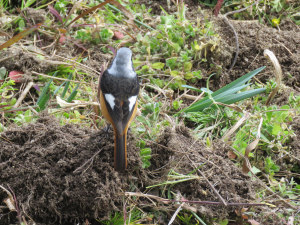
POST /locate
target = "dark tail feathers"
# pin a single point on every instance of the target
(120, 152)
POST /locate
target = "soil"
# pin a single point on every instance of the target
(44, 163)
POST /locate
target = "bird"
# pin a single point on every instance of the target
(119, 89)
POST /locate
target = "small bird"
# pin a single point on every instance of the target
(119, 89)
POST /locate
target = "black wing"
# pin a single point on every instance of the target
(120, 90)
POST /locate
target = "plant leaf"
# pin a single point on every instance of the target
(45, 89)
(20, 36)
(225, 99)
(192, 88)
(90, 10)
(73, 94)
(42, 102)
(66, 86)
(55, 13)
(242, 80)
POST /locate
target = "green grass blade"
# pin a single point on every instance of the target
(73, 94)
(207, 100)
(67, 85)
(242, 80)
(56, 90)
(42, 102)
(225, 92)
(229, 99)
(45, 89)
(192, 88)
(241, 96)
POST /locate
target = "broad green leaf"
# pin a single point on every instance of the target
(146, 157)
(284, 114)
(137, 63)
(175, 73)
(28, 116)
(241, 96)
(188, 75)
(143, 120)
(142, 144)
(276, 128)
(145, 151)
(217, 97)
(187, 66)
(255, 170)
(146, 164)
(158, 65)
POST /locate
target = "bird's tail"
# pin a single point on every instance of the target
(120, 151)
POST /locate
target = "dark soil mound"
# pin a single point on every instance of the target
(47, 166)
(38, 164)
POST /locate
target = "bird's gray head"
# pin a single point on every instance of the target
(122, 63)
(123, 56)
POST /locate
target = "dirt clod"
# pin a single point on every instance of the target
(38, 162)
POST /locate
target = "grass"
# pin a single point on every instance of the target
(167, 57)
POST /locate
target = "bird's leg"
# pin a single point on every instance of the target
(107, 129)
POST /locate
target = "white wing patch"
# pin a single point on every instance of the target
(111, 100)
(132, 101)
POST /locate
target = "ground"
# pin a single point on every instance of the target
(48, 167)
(64, 174)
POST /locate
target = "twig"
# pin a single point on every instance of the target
(8, 57)
(235, 34)
(27, 107)
(283, 46)
(191, 97)
(24, 93)
(217, 203)
(58, 78)
(89, 160)
(212, 187)
(176, 213)
(135, 20)
(165, 201)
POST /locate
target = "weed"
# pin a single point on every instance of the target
(145, 154)
(227, 94)
(171, 44)
(118, 218)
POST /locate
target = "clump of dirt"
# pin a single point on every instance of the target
(254, 38)
(35, 15)
(24, 61)
(38, 163)
(184, 151)
(48, 168)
